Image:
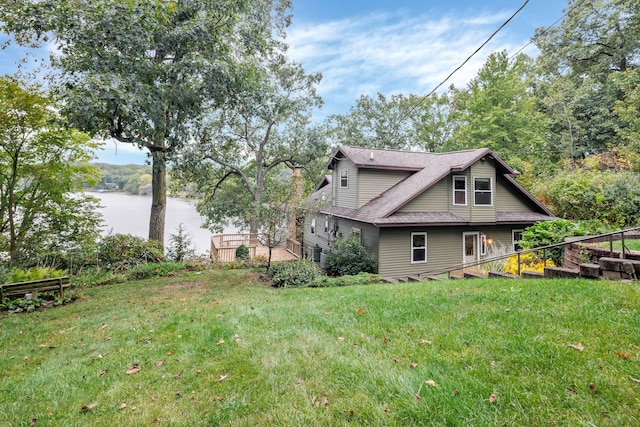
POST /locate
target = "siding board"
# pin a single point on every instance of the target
(372, 183)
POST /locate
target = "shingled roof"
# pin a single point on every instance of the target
(429, 169)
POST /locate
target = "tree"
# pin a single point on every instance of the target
(596, 39)
(142, 72)
(497, 111)
(400, 122)
(42, 162)
(246, 144)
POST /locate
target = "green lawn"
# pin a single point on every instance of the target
(222, 348)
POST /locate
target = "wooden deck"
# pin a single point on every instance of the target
(278, 254)
(223, 247)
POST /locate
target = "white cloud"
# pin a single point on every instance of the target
(393, 52)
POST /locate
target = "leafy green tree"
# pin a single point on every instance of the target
(497, 111)
(595, 40)
(400, 122)
(627, 108)
(246, 144)
(142, 72)
(42, 162)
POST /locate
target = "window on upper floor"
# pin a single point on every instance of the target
(418, 248)
(326, 225)
(460, 190)
(482, 192)
(344, 179)
(313, 226)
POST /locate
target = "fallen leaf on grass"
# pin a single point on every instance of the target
(222, 377)
(103, 326)
(592, 387)
(133, 370)
(89, 406)
(385, 341)
(455, 393)
(425, 342)
(578, 346)
(324, 402)
(123, 405)
(418, 397)
(159, 363)
(300, 381)
(221, 341)
(493, 398)
(622, 355)
(340, 338)
(432, 383)
(103, 372)
(413, 365)
(33, 422)
(361, 310)
(635, 380)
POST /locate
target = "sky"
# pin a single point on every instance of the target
(365, 47)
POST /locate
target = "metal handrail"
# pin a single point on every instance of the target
(460, 266)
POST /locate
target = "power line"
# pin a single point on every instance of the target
(468, 59)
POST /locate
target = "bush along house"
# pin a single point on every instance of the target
(419, 212)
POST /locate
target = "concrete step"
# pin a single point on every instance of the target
(561, 273)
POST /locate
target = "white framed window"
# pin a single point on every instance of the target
(516, 237)
(482, 192)
(344, 178)
(326, 225)
(460, 190)
(418, 248)
(313, 226)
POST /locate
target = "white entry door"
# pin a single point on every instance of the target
(470, 247)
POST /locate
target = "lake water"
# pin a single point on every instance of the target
(128, 214)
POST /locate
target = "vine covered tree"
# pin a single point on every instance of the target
(143, 72)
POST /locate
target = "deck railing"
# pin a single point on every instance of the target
(223, 246)
(294, 247)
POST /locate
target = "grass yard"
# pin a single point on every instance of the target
(222, 348)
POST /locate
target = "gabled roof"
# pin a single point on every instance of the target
(429, 169)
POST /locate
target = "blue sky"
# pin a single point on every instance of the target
(363, 47)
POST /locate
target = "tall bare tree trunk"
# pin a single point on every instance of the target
(158, 197)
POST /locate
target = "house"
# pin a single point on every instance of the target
(420, 212)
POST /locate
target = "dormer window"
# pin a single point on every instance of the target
(483, 195)
(460, 190)
(344, 179)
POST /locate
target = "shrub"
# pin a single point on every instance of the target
(528, 262)
(123, 251)
(162, 269)
(350, 257)
(180, 245)
(242, 253)
(349, 280)
(34, 273)
(549, 232)
(291, 274)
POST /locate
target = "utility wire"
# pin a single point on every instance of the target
(467, 60)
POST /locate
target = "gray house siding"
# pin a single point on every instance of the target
(345, 197)
(372, 183)
(444, 247)
(507, 200)
(432, 200)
